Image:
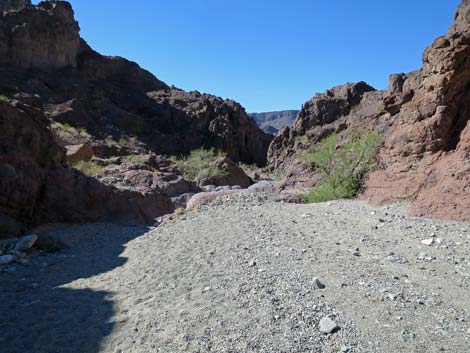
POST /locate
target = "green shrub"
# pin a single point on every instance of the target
(137, 158)
(341, 168)
(248, 168)
(110, 141)
(84, 132)
(64, 126)
(198, 164)
(89, 168)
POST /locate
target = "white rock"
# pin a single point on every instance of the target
(327, 325)
(427, 242)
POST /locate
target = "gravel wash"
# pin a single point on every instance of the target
(245, 274)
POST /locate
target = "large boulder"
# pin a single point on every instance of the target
(230, 174)
(27, 150)
(77, 153)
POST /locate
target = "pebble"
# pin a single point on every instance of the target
(252, 263)
(6, 259)
(427, 242)
(345, 349)
(25, 243)
(317, 284)
(327, 325)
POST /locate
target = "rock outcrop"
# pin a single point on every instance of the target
(13, 5)
(41, 37)
(56, 91)
(111, 103)
(426, 154)
(424, 118)
(232, 175)
(36, 186)
(342, 109)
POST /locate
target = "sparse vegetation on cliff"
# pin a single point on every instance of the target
(342, 167)
(89, 168)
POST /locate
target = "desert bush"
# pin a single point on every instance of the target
(89, 168)
(83, 131)
(136, 158)
(198, 164)
(64, 127)
(342, 167)
(248, 168)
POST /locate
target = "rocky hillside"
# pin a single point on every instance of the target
(423, 117)
(351, 107)
(56, 93)
(112, 98)
(272, 122)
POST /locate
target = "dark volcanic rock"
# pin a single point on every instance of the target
(67, 94)
(272, 122)
(118, 106)
(43, 36)
(37, 187)
(13, 5)
(208, 121)
(426, 154)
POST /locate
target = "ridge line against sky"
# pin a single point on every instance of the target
(268, 55)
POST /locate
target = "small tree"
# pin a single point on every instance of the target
(342, 167)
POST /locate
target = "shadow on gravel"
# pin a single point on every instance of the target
(37, 316)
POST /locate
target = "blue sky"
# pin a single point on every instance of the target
(266, 54)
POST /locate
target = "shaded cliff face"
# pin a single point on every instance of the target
(56, 91)
(342, 109)
(42, 37)
(13, 5)
(272, 122)
(426, 154)
(45, 63)
(36, 186)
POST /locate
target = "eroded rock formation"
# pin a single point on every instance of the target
(424, 118)
(347, 108)
(426, 154)
(110, 97)
(36, 186)
(56, 91)
(43, 36)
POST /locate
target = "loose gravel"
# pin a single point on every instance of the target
(246, 274)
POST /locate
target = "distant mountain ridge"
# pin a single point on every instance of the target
(272, 122)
